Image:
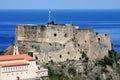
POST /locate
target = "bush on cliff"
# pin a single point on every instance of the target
(1, 52)
(72, 71)
(54, 75)
(111, 59)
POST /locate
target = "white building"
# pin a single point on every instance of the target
(20, 67)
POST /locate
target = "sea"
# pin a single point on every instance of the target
(103, 22)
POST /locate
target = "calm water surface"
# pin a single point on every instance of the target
(103, 21)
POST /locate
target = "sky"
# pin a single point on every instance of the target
(59, 4)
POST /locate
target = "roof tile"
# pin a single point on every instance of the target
(16, 57)
(13, 64)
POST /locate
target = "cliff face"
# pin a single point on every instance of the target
(61, 42)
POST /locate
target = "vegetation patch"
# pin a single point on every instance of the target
(1, 52)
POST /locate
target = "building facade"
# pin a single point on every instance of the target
(19, 67)
(60, 42)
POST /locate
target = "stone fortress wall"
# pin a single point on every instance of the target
(61, 42)
(43, 33)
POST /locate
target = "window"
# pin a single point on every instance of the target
(98, 39)
(18, 78)
(68, 52)
(65, 35)
(55, 34)
(36, 57)
(60, 56)
(36, 62)
(85, 41)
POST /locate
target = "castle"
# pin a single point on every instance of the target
(60, 42)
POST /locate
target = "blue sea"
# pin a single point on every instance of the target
(103, 21)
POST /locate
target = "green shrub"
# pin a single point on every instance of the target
(53, 75)
(108, 61)
(101, 62)
(97, 33)
(97, 78)
(51, 62)
(72, 71)
(1, 52)
(63, 66)
(30, 54)
(83, 54)
(104, 70)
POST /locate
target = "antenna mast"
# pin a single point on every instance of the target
(49, 17)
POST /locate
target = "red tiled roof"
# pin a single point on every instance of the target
(13, 64)
(16, 57)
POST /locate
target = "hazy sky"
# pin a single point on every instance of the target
(59, 4)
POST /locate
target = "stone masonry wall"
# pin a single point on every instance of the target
(61, 42)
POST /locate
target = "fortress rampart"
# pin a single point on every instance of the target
(59, 42)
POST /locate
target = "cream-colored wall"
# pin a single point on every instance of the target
(42, 73)
(23, 71)
(32, 69)
(11, 73)
(0, 72)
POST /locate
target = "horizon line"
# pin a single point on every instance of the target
(59, 9)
